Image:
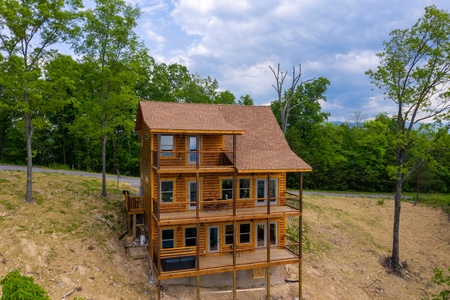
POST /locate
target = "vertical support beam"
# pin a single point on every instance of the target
(300, 232)
(159, 289)
(234, 219)
(269, 198)
(198, 287)
(158, 229)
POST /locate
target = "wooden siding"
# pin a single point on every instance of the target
(211, 151)
(223, 248)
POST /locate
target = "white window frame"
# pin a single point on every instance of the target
(170, 146)
(263, 201)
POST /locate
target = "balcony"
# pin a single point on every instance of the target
(178, 262)
(134, 204)
(222, 210)
(185, 161)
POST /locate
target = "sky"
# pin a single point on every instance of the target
(236, 41)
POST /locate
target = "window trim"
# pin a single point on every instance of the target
(221, 188)
(225, 235)
(167, 153)
(191, 238)
(263, 201)
(249, 187)
(249, 234)
(161, 191)
(173, 239)
(189, 151)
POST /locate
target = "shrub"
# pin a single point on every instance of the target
(442, 280)
(18, 287)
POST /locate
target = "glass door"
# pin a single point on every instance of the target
(213, 239)
(261, 234)
(192, 194)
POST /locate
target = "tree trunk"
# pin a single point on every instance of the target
(395, 259)
(104, 193)
(29, 134)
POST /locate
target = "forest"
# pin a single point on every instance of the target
(78, 112)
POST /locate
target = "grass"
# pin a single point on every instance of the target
(436, 200)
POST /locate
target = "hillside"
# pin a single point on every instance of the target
(69, 239)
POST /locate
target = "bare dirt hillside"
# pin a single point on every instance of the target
(68, 239)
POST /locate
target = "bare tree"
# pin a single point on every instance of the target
(286, 97)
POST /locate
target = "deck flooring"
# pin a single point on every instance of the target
(220, 215)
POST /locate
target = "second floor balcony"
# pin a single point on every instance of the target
(177, 161)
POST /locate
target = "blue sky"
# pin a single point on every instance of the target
(235, 41)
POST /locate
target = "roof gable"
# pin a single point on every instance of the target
(260, 144)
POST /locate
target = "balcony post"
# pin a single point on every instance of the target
(300, 231)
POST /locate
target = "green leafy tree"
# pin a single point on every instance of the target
(28, 29)
(111, 54)
(245, 100)
(414, 73)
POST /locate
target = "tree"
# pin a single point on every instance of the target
(299, 93)
(28, 29)
(245, 100)
(111, 54)
(414, 73)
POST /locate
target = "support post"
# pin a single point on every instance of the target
(300, 234)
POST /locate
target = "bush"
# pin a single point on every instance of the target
(18, 287)
(442, 280)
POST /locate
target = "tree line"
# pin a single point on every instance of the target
(79, 113)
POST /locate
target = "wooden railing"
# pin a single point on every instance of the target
(210, 159)
(134, 204)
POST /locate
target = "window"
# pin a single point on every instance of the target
(229, 234)
(244, 233)
(190, 237)
(167, 145)
(244, 188)
(167, 191)
(167, 238)
(227, 189)
(192, 149)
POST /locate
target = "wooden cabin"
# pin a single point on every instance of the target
(213, 180)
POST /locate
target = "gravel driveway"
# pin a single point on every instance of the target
(133, 181)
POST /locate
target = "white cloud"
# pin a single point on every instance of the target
(236, 41)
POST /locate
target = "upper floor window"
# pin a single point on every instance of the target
(227, 189)
(167, 145)
(192, 145)
(167, 191)
(244, 188)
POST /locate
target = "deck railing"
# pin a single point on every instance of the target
(187, 159)
(210, 208)
(174, 260)
(134, 204)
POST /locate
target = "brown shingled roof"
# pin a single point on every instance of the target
(260, 145)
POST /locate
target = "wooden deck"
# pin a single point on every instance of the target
(210, 264)
(177, 218)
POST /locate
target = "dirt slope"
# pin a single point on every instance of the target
(68, 239)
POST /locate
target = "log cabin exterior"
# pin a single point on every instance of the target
(215, 207)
